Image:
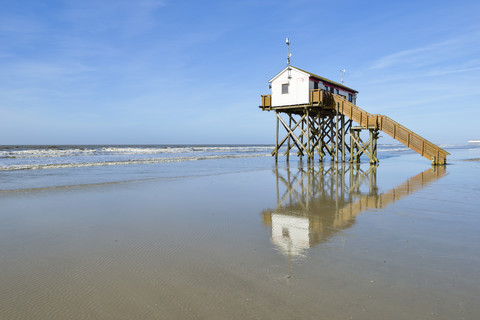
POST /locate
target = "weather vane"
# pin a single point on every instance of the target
(288, 59)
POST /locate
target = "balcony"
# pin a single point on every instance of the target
(318, 97)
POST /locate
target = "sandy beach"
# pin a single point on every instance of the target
(248, 240)
(190, 160)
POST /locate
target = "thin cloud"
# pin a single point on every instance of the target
(426, 54)
(403, 56)
(469, 67)
(42, 70)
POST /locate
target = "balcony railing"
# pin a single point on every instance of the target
(321, 97)
(317, 97)
(266, 101)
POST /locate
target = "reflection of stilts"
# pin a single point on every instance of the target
(317, 202)
(326, 182)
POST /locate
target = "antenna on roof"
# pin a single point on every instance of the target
(287, 41)
(342, 72)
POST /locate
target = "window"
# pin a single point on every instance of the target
(337, 91)
(315, 85)
(285, 88)
(350, 97)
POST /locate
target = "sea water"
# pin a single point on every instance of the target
(221, 232)
(27, 167)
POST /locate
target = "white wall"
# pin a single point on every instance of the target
(298, 92)
(299, 89)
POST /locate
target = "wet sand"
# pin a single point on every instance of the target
(399, 241)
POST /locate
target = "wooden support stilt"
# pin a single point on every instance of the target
(321, 135)
(309, 153)
(332, 142)
(288, 144)
(372, 158)
(352, 148)
(276, 142)
(336, 132)
(301, 137)
(343, 137)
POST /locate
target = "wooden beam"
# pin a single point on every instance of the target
(295, 138)
(308, 137)
(286, 137)
(276, 141)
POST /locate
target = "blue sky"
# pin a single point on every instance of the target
(171, 72)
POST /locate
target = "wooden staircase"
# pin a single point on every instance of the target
(394, 129)
(321, 100)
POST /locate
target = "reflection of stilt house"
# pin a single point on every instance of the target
(319, 120)
(317, 204)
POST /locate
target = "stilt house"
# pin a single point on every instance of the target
(292, 86)
(320, 119)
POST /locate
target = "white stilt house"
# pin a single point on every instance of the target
(292, 86)
(320, 115)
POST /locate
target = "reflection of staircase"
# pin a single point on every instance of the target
(382, 200)
(383, 123)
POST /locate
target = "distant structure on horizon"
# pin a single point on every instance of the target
(319, 119)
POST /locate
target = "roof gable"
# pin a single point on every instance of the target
(285, 69)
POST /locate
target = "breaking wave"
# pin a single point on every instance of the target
(49, 152)
(122, 162)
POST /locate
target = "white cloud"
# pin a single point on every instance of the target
(430, 53)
